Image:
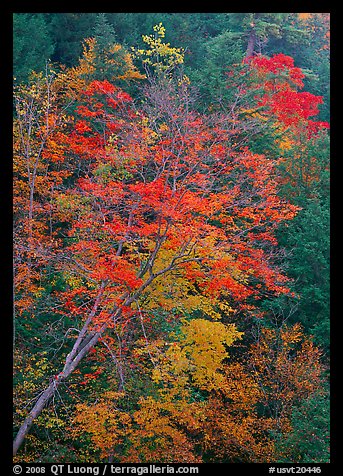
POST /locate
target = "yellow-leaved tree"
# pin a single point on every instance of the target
(166, 424)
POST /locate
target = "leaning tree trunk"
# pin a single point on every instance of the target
(72, 361)
(36, 410)
(84, 342)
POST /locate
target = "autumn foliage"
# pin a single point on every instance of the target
(148, 229)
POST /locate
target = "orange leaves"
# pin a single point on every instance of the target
(234, 416)
(288, 365)
(258, 394)
(156, 217)
(233, 435)
(92, 64)
(187, 197)
(159, 435)
(104, 422)
(39, 166)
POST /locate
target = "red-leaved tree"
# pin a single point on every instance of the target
(162, 192)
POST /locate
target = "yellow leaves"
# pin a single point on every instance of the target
(73, 281)
(158, 54)
(160, 30)
(184, 80)
(159, 437)
(29, 372)
(198, 355)
(173, 366)
(105, 423)
(46, 420)
(177, 294)
(156, 430)
(194, 360)
(223, 306)
(152, 430)
(36, 368)
(204, 304)
(285, 143)
(175, 418)
(176, 290)
(204, 345)
(210, 335)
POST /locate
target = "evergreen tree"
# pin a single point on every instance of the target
(308, 442)
(32, 44)
(68, 31)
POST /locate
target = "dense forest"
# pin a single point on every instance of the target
(171, 237)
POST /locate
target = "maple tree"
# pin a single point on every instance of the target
(161, 213)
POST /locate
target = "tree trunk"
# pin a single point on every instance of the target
(251, 44)
(36, 410)
(51, 389)
(85, 341)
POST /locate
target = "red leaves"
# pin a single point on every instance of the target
(81, 126)
(313, 127)
(85, 112)
(118, 271)
(104, 87)
(113, 191)
(123, 96)
(278, 64)
(164, 210)
(153, 200)
(153, 193)
(280, 80)
(218, 284)
(292, 107)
